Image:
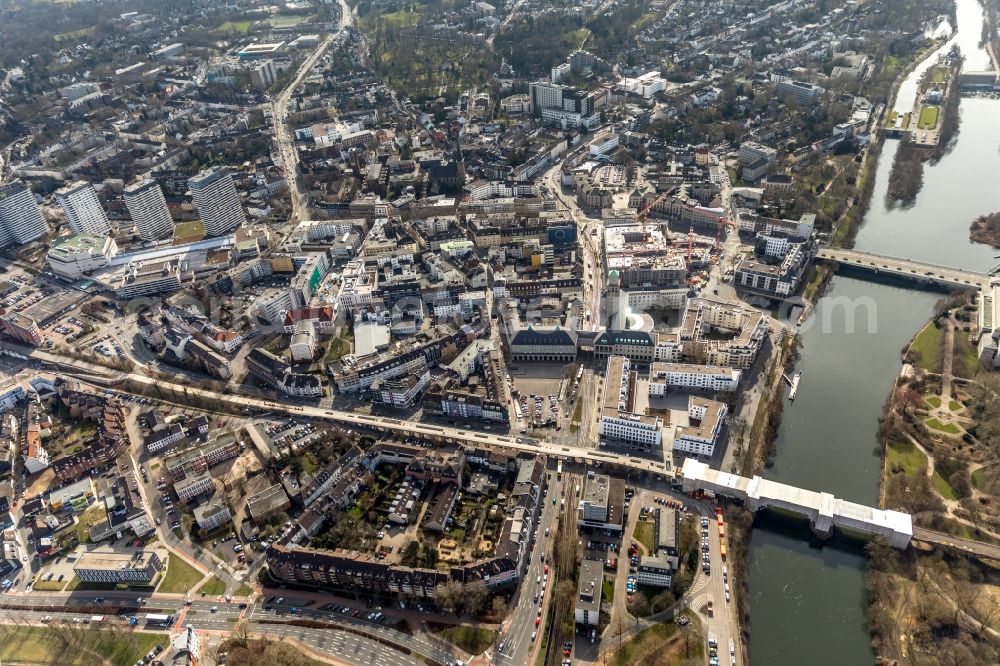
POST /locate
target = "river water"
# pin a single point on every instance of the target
(806, 597)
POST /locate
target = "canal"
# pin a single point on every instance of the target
(807, 600)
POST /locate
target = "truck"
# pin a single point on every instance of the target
(97, 619)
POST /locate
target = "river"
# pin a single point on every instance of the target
(807, 600)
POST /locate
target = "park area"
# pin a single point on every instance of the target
(73, 646)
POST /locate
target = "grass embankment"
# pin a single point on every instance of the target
(907, 456)
(181, 577)
(927, 348)
(74, 647)
(473, 640)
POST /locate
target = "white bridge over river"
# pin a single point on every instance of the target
(823, 510)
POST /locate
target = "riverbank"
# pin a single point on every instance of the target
(760, 449)
(919, 600)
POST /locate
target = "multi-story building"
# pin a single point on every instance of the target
(706, 418)
(762, 275)
(21, 219)
(140, 567)
(212, 514)
(805, 93)
(22, 328)
(157, 440)
(149, 210)
(664, 377)
(217, 201)
(602, 504)
(76, 256)
(191, 487)
(83, 209)
(654, 571)
(199, 460)
(263, 75)
(587, 609)
(620, 421)
(400, 392)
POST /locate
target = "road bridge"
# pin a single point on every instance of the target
(823, 510)
(907, 268)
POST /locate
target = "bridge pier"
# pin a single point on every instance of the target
(822, 528)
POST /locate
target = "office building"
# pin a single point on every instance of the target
(148, 209)
(21, 220)
(83, 209)
(217, 201)
(805, 93)
(212, 514)
(654, 571)
(140, 567)
(587, 609)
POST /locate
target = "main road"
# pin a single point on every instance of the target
(283, 139)
(238, 403)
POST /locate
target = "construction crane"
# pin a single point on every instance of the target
(644, 213)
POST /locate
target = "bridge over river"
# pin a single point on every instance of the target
(823, 510)
(915, 270)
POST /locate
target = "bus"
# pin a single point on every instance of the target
(158, 620)
(722, 550)
(559, 471)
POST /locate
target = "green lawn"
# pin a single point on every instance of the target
(927, 346)
(943, 487)
(644, 532)
(213, 587)
(661, 644)
(286, 21)
(244, 591)
(954, 405)
(48, 585)
(41, 645)
(928, 117)
(473, 640)
(907, 456)
(241, 27)
(181, 577)
(608, 590)
(949, 428)
(934, 401)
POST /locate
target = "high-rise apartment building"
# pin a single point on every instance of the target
(217, 201)
(148, 209)
(83, 209)
(21, 220)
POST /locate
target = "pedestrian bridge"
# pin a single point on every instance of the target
(907, 268)
(823, 510)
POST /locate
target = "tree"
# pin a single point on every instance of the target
(499, 608)
(448, 595)
(476, 596)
